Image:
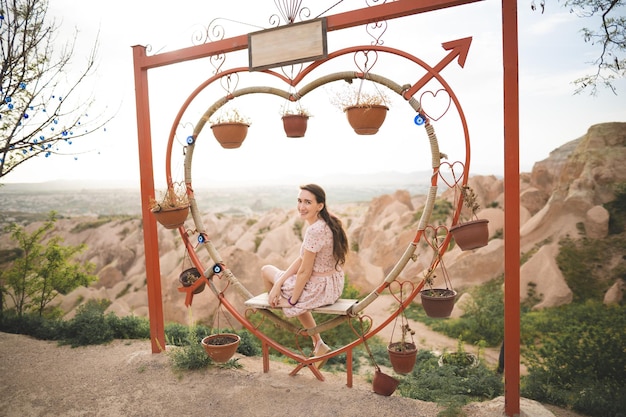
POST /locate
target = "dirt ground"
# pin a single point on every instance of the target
(123, 378)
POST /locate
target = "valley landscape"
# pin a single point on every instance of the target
(562, 197)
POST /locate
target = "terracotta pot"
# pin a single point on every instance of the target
(366, 120)
(384, 384)
(230, 135)
(471, 235)
(295, 125)
(171, 218)
(402, 361)
(188, 277)
(438, 302)
(221, 347)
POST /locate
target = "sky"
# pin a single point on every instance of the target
(551, 55)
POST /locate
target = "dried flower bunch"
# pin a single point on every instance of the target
(297, 109)
(230, 116)
(354, 97)
(174, 197)
(470, 199)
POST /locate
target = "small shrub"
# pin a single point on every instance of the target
(575, 358)
(249, 345)
(128, 327)
(191, 355)
(451, 386)
(89, 326)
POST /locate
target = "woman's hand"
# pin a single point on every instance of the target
(275, 294)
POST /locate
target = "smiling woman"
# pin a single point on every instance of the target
(314, 278)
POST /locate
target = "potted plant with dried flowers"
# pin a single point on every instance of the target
(403, 354)
(295, 120)
(230, 128)
(474, 233)
(438, 302)
(172, 209)
(365, 111)
(189, 276)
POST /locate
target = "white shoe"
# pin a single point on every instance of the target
(321, 349)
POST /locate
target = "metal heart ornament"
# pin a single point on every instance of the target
(436, 105)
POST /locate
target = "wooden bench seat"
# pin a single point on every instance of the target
(341, 307)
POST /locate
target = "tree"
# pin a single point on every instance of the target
(44, 270)
(40, 111)
(610, 36)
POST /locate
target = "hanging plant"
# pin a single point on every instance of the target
(295, 120)
(230, 128)
(402, 354)
(172, 209)
(365, 111)
(474, 233)
(437, 302)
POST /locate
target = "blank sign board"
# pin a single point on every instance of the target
(286, 45)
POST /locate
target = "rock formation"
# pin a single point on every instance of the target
(562, 196)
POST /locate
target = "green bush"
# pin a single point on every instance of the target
(483, 320)
(449, 385)
(128, 327)
(189, 355)
(89, 326)
(576, 357)
(34, 325)
(249, 345)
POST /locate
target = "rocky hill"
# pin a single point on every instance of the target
(563, 195)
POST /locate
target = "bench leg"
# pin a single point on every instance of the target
(311, 367)
(266, 356)
(349, 368)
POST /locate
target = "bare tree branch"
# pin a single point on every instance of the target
(610, 36)
(40, 107)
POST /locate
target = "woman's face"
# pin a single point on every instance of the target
(308, 207)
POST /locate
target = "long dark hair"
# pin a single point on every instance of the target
(340, 239)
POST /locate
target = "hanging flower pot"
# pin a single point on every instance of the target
(366, 120)
(384, 384)
(402, 356)
(221, 347)
(230, 135)
(471, 235)
(173, 208)
(295, 125)
(438, 302)
(171, 218)
(474, 233)
(188, 277)
(230, 128)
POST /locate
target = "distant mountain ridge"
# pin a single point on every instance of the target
(81, 197)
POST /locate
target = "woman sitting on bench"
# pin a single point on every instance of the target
(315, 278)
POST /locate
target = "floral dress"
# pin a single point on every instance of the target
(326, 283)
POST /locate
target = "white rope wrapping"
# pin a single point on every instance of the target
(428, 208)
(413, 102)
(434, 146)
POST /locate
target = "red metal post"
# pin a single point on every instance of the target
(150, 235)
(511, 210)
